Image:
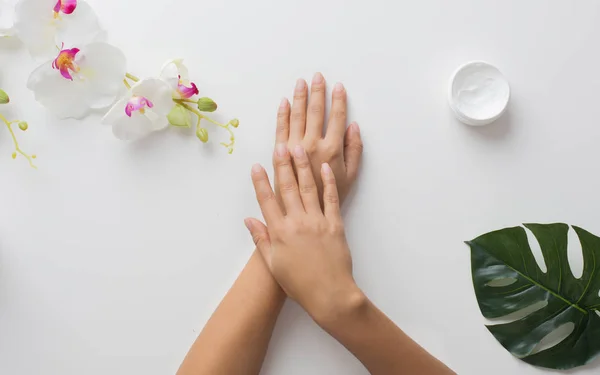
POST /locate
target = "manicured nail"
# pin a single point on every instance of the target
(326, 169)
(317, 78)
(256, 168)
(299, 151)
(284, 103)
(248, 224)
(338, 87)
(280, 149)
(300, 84)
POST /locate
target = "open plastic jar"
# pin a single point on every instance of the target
(479, 93)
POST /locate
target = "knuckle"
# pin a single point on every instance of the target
(300, 95)
(298, 116)
(316, 109)
(331, 197)
(317, 88)
(356, 147)
(281, 128)
(339, 114)
(333, 151)
(288, 186)
(336, 228)
(265, 196)
(282, 114)
(307, 188)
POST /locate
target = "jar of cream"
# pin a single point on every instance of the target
(479, 93)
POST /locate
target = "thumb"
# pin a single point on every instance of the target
(353, 149)
(260, 236)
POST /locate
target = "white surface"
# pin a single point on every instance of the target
(113, 255)
(479, 93)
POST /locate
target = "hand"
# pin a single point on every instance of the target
(341, 148)
(304, 246)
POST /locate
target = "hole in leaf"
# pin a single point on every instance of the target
(504, 281)
(575, 254)
(518, 315)
(536, 250)
(554, 338)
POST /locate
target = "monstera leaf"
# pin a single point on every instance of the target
(505, 255)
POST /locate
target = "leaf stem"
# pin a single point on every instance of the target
(16, 143)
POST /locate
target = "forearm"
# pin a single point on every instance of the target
(236, 337)
(378, 343)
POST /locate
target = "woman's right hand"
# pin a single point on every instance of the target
(303, 244)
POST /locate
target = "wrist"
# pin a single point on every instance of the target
(340, 306)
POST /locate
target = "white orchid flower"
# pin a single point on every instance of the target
(79, 80)
(6, 19)
(175, 73)
(43, 25)
(143, 111)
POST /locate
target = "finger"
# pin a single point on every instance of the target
(283, 122)
(331, 199)
(264, 195)
(260, 236)
(298, 116)
(353, 149)
(306, 181)
(315, 118)
(286, 180)
(337, 116)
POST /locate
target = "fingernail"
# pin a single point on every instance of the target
(300, 84)
(326, 169)
(248, 224)
(284, 103)
(338, 87)
(355, 128)
(256, 168)
(299, 151)
(280, 149)
(317, 78)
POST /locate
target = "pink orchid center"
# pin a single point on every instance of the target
(137, 103)
(65, 62)
(64, 6)
(186, 92)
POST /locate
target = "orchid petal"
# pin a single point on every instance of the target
(6, 19)
(35, 27)
(79, 28)
(104, 66)
(174, 70)
(61, 96)
(158, 92)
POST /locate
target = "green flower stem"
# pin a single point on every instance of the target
(200, 116)
(187, 100)
(132, 77)
(16, 143)
(126, 84)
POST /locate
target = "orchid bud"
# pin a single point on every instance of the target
(235, 123)
(23, 125)
(202, 135)
(179, 116)
(14, 155)
(4, 97)
(207, 105)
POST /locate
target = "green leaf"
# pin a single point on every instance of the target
(179, 116)
(505, 254)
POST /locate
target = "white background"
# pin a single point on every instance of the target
(114, 255)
